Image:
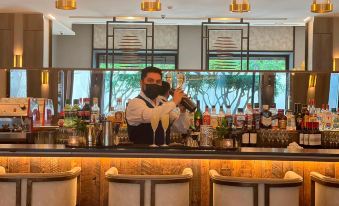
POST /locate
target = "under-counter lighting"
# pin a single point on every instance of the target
(45, 77)
(322, 6)
(151, 5)
(17, 62)
(240, 6)
(66, 4)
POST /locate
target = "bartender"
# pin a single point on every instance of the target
(141, 109)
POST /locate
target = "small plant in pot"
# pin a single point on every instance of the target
(223, 133)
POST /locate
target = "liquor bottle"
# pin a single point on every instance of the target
(291, 122)
(249, 116)
(245, 138)
(314, 138)
(214, 117)
(266, 118)
(86, 111)
(319, 113)
(275, 121)
(306, 132)
(306, 115)
(67, 113)
(221, 116)
(253, 137)
(206, 117)
(256, 116)
(110, 115)
(298, 116)
(282, 119)
(335, 119)
(229, 116)
(75, 111)
(119, 113)
(301, 137)
(240, 119)
(95, 111)
(327, 119)
(197, 117)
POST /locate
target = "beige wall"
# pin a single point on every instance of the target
(336, 38)
(73, 51)
(190, 47)
(300, 43)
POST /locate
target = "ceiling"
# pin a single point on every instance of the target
(265, 12)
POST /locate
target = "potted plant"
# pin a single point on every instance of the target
(223, 132)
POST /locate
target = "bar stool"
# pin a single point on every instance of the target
(39, 189)
(238, 191)
(324, 190)
(149, 190)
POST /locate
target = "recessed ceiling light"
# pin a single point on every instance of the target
(66, 4)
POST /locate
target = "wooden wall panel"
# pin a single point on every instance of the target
(94, 187)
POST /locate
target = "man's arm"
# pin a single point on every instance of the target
(138, 112)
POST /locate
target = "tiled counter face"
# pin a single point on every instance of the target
(94, 186)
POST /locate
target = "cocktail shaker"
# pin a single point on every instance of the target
(107, 133)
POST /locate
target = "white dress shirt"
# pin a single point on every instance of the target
(138, 112)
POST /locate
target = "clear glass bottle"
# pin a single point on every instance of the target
(282, 119)
(275, 121)
(95, 111)
(221, 115)
(291, 122)
(206, 117)
(110, 115)
(214, 117)
(229, 116)
(266, 118)
(256, 116)
(249, 116)
(327, 119)
(335, 119)
(119, 113)
(240, 119)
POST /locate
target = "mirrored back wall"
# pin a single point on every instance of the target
(220, 87)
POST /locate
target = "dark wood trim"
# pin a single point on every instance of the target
(50, 43)
(282, 185)
(17, 188)
(294, 33)
(174, 181)
(236, 184)
(306, 45)
(141, 183)
(92, 48)
(30, 182)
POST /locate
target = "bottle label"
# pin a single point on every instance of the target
(206, 120)
(266, 121)
(315, 139)
(119, 117)
(240, 121)
(214, 122)
(282, 124)
(306, 139)
(253, 138)
(301, 138)
(245, 138)
(197, 124)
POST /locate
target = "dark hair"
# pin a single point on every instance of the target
(165, 88)
(147, 70)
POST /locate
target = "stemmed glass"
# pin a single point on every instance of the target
(165, 124)
(154, 123)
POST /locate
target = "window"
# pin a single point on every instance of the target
(333, 101)
(81, 84)
(18, 83)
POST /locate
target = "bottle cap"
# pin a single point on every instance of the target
(228, 106)
(265, 107)
(256, 105)
(333, 110)
(273, 105)
(213, 106)
(75, 101)
(240, 110)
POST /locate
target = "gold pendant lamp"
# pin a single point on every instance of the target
(240, 6)
(66, 4)
(322, 6)
(151, 5)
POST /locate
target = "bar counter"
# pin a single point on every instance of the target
(50, 150)
(94, 162)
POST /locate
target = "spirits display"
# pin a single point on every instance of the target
(266, 118)
(206, 117)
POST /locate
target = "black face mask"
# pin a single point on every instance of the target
(152, 91)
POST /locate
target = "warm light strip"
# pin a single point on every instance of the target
(323, 7)
(151, 5)
(225, 19)
(312, 82)
(130, 18)
(66, 4)
(240, 6)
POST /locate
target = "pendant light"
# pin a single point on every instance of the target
(322, 6)
(240, 6)
(151, 5)
(66, 4)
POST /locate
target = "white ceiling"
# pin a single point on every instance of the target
(287, 12)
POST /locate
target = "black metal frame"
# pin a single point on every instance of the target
(205, 40)
(115, 21)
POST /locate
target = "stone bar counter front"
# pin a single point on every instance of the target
(94, 162)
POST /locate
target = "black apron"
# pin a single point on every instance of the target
(143, 133)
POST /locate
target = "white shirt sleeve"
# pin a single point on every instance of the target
(138, 112)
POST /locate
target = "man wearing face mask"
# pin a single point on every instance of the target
(141, 109)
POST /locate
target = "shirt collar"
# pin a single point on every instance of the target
(142, 94)
(162, 98)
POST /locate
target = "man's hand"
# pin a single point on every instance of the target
(182, 109)
(177, 96)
